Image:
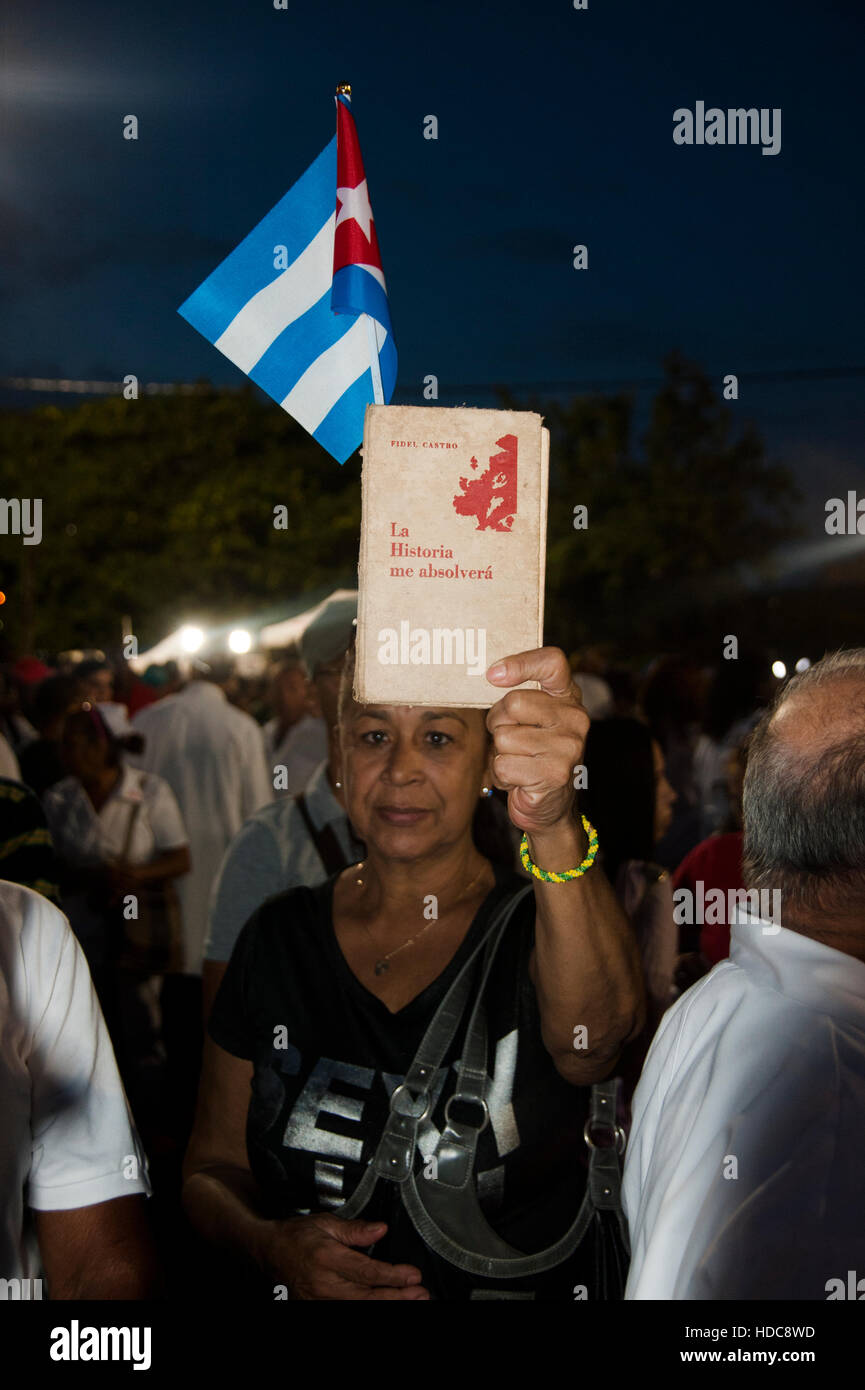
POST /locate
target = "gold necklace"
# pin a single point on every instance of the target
(383, 963)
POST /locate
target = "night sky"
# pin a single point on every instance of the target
(555, 127)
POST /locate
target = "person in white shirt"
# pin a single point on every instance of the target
(295, 739)
(114, 827)
(212, 757)
(743, 1171)
(69, 1154)
(117, 831)
(298, 840)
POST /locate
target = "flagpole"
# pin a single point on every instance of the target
(344, 90)
(374, 365)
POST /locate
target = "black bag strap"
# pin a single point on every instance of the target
(412, 1101)
(444, 1208)
(329, 850)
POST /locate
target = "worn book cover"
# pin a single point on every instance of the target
(452, 553)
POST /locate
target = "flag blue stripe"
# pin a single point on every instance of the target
(356, 291)
(292, 223)
(338, 431)
(303, 341)
(297, 347)
(388, 364)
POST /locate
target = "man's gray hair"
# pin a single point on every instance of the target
(804, 814)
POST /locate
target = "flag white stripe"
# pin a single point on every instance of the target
(329, 377)
(273, 308)
(374, 271)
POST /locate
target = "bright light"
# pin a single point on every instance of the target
(779, 669)
(191, 638)
(803, 664)
(239, 640)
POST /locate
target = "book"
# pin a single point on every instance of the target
(452, 551)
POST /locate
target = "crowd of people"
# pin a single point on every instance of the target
(369, 1001)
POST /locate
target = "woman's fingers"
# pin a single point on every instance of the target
(363, 1269)
(537, 775)
(547, 665)
(537, 708)
(362, 1277)
(327, 1267)
(416, 1295)
(524, 740)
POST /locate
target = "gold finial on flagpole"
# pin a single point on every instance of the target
(344, 90)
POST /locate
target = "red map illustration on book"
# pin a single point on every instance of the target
(492, 497)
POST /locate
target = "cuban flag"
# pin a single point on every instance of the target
(301, 304)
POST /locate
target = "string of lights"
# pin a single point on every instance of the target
(68, 386)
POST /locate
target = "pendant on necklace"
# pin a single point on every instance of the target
(381, 966)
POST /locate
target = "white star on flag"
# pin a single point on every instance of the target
(355, 204)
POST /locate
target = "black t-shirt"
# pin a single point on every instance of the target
(328, 1055)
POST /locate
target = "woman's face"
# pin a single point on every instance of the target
(85, 757)
(665, 797)
(412, 775)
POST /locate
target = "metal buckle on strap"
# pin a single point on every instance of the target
(468, 1100)
(411, 1114)
(618, 1141)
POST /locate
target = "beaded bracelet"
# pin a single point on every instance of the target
(547, 875)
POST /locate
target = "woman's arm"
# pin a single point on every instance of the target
(172, 863)
(311, 1255)
(585, 966)
(219, 1192)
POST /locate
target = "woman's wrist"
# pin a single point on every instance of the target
(268, 1244)
(261, 1244)
(558, 847)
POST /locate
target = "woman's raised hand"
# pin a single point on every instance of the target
(539, 737)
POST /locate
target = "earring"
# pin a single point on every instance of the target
(486, 791)
(337, 785)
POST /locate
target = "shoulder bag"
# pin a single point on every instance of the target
(445, 1209)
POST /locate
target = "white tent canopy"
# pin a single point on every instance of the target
(291, 629)
(280, 634)
(169, 649)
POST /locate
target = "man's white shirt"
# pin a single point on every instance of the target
(212, 757)
(272, 853)
(299, 751)
(743, 1174)
(66, 1139)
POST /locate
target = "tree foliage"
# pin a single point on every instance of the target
(163, 508)
(671, 516)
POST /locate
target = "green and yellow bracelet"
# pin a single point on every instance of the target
(547, 875)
